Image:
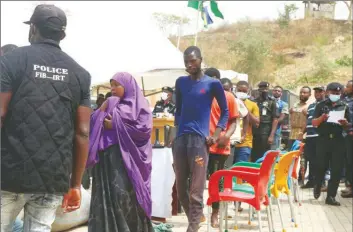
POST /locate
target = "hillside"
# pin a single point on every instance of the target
(304, 52)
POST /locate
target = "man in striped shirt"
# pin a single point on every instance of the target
(311, 136)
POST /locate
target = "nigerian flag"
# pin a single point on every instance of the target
(198, 5)
(215, 10)
(194, 4)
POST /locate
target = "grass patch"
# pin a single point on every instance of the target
(344, 61)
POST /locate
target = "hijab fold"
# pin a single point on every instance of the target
(132, 128)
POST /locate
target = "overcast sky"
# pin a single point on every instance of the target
(120, 14)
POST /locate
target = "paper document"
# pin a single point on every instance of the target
(334, 116)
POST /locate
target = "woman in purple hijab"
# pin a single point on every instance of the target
(121, 154)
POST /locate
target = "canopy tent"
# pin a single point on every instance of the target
(136, 47)
(150, 81)
(158, 78)
(233, 76)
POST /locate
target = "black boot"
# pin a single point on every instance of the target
(308, 185)
(332, 201)
(317, 191)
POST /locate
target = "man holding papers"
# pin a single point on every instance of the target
(331, 117)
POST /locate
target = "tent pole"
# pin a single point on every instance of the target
(197, 25)
(179, 34)
(143, 86)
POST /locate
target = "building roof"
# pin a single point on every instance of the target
(319, 2)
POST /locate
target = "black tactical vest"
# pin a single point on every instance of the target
(38, 133)
(266, 116)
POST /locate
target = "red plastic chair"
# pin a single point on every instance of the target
(296, 168)
(258, 178)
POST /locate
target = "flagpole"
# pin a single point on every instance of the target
(179, 32)
(197, 24)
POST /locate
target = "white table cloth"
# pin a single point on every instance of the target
(162, 181)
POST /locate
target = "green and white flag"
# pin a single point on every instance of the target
(194, 4)
(215, 10)
(198, 5)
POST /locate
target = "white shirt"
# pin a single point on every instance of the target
(243, 111)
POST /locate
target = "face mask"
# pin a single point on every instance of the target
(164, 96)
(241, 95)
(264, 94)
(334, 97)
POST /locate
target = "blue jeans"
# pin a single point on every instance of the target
(276, 142)
(241, 154)
(39, 210)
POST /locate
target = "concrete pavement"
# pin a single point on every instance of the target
(312, 216)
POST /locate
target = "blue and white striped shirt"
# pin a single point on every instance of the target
(310, 129)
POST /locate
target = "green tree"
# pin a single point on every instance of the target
(252, 48)
(285, 17)
(167, 22)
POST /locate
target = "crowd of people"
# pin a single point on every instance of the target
(50, 136)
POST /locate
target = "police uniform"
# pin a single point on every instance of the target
(47, 87)
(310, 143)
(330, 148)
(268, 112)
(161, 106)
(349, 147)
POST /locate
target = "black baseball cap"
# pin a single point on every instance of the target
(321, 88)
(168, 89)
(48, 16)
(263, 84)
(334, 86)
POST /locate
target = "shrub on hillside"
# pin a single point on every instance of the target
(344, 61)
(285, 17)
(251, 48)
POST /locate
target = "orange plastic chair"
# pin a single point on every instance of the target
(257, 178)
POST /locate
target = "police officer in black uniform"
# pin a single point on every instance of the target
(330, 150)
(348, 193)
(45, 114)
(166, 103)
(263, 136)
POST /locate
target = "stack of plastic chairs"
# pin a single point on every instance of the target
(281, 184)
(277, 185)
(258, 178)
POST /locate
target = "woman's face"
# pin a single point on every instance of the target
(117, 89)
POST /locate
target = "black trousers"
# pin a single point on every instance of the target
(216, 162)
(310, 157)
(349, 155)
(260, 146)
(330, 152)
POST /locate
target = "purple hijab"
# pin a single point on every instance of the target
(132, 128)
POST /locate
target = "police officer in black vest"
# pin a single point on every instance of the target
(330, 150)
(45, 114)
(166, 103)
(263, 136)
